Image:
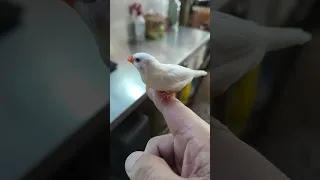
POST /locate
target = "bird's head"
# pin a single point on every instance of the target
(141, 60)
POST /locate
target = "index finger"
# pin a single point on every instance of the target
(179, 118)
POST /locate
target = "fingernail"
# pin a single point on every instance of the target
(131, 160)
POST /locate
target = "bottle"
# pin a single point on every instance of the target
(158, 8)
(174, 13)
(140, 25)
(186, 6)
(131, 23)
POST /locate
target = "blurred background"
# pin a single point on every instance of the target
(275, 106)
(62, 129)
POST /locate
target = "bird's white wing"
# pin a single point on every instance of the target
(170, 77)
(178, 73)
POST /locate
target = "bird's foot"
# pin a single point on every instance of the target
(165, 95)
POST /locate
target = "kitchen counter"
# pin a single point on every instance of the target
(127, 90)
(53, 81)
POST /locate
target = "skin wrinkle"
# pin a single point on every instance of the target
(139, 173)
(140, 170)
(191, 155)
(184, 132)
(202, 166)
(178, 140)
(146, 172)
(187, 164)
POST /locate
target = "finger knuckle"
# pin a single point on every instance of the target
(144, 172)
(153, 140)
(183, 131)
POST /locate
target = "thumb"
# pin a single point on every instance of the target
(146, 166)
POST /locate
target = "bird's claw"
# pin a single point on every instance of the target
(165, 95)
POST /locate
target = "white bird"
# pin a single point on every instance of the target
(167, 78)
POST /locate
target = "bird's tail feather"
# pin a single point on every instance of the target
(199, 73)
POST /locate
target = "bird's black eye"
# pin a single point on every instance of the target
(137, 60)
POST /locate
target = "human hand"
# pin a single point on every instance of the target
(183, 154)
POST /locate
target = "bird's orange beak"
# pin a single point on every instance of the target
(130, 59)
